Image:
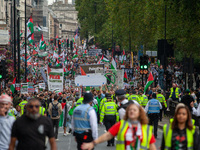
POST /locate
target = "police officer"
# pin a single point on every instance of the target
(84, 121)
(109, 115)
(22, 105)
(123, 102)
(161, 99)
(134, 97)
(104, 100)
(79, 101)
(145, 100)
(140, 97)
(153, 110)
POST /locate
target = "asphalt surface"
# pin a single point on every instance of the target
(68, 142)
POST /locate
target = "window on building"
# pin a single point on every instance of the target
(61, 25)
(44, 21)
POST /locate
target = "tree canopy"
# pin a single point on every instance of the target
(147, 23)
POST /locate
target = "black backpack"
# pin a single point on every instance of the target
(126, 105)
(55, 110)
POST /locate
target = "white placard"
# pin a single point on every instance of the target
(42, 86)
(55, 79)
(91, 80)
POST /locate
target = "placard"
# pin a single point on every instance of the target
(90, 80)
(24, 88)
(91, 68)
(42, 86)
(55, 79)
(31, 88)
(93, 52)
(17, 86)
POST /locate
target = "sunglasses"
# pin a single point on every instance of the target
(31, 106)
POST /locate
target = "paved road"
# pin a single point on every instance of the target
(68, 142)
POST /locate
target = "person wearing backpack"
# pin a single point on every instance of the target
(55, 110)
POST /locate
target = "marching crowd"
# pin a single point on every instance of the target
(128, 114)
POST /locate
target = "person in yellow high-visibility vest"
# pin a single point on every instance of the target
(42, 111)
(145, 100)
(140, 97)
(132, 133)
(161, 99)
(22, 105)
(109, 115)
(175, 94)
(180, 133)
(134, 96)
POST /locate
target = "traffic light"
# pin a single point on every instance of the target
(145, 63)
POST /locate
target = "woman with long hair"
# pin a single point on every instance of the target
(180, 133)
(132, 133)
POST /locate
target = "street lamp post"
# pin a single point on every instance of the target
(25, 41)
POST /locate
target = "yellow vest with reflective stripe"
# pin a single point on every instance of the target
(109, 108)
(41, 111)
(79, 101)
(161, 99)
(146, 133)
(167, 131)
(127, 95)
(104, 100)
(22, 105)
(134, 97)
(176, 92)
(145, 100)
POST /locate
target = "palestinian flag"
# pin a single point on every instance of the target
(158, 62)
(123, 57)
(125, 76)
(30, 30)
(42, 43)
(12, 87)
(82, 71)
(34, 53)
(75, 55)
(103, 59)
(38, 27)
(149, 82)
(85, 52)
(113, 64)
(21, 33)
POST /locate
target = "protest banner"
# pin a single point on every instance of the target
(24, 88)
(17, 86)
(93, 52)
(90, 80)
(42, 86)
(55, 79)
(31, 88)
(91, 68)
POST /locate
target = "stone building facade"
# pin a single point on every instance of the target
(67, 17)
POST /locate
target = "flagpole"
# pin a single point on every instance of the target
(18, 39)
(25, 41)
(14, 19)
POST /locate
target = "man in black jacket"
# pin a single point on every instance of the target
(187, 99)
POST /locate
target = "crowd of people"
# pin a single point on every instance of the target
(130, 114)
(126, 113)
